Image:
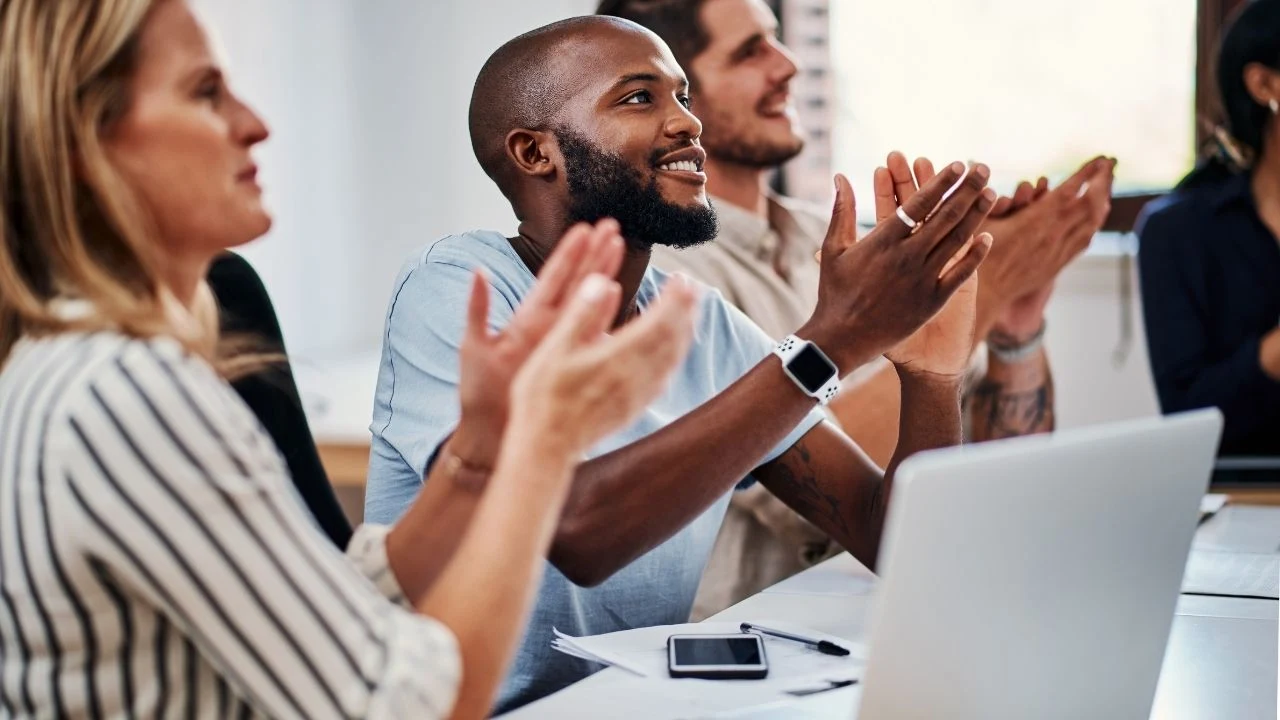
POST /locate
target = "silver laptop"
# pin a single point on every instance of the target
(1032, 578)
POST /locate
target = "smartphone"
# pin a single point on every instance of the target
(717, 657)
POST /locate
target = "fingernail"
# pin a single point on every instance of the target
(593, 288)
(684, 285)
(957, 167)
(982, 171)
(989, 195)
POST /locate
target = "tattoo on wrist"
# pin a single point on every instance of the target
(997, 412)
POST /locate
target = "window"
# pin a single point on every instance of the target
(1044, 87)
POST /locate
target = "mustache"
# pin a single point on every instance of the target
(660, 153)
(779, 92)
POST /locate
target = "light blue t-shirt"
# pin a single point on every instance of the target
(417, 407)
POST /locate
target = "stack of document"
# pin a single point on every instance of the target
(793, 667)
(591, 648)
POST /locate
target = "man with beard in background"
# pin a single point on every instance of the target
(762, 262)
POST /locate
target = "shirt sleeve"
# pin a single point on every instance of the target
(1176, 314)
(417, 404)
(188, 512)
(367, 552)
(743, 345)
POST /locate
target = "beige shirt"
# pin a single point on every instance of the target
(767, 270)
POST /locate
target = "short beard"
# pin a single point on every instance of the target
(603, 185)
(760, 156)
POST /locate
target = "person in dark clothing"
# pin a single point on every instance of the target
(246, 310)
(1210, 255)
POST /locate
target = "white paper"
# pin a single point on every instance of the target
(1231, 573)
(595, 652)
(838, 704)
(648, 698)
(1211, 504)
(792, 665)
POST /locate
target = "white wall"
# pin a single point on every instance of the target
(419, 177)
(1084, 330)
(370, 159)
(370, 156)
(288, 60)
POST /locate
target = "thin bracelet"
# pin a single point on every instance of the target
(464, 475)
(1011, 354)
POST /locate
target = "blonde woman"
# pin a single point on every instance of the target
(154, 560)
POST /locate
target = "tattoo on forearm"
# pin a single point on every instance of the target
(796, 484)
(996, 412)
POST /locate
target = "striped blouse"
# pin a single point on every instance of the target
(155, 560)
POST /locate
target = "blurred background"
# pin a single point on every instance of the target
(370, 157)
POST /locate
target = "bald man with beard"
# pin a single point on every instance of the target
(589, 118)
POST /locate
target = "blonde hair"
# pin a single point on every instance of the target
(69, 224)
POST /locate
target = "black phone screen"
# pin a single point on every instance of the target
(717, 651)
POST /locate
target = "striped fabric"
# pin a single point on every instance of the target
(155, 560)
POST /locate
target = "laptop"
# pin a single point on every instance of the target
(1031, 578)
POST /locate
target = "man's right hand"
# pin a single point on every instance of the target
(877, 291)
(582, 383)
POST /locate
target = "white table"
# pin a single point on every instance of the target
(1221, 660)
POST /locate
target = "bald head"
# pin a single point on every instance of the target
(527, 80)
(590, 118)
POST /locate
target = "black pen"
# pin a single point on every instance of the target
(822, 646)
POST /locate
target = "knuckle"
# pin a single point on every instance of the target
(951, 213)
(904, 262)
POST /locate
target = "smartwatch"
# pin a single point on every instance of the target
(809, 368)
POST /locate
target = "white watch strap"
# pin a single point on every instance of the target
(828, 392)
(787, 349)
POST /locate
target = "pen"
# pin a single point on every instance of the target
(831, 685)
(822, 646)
